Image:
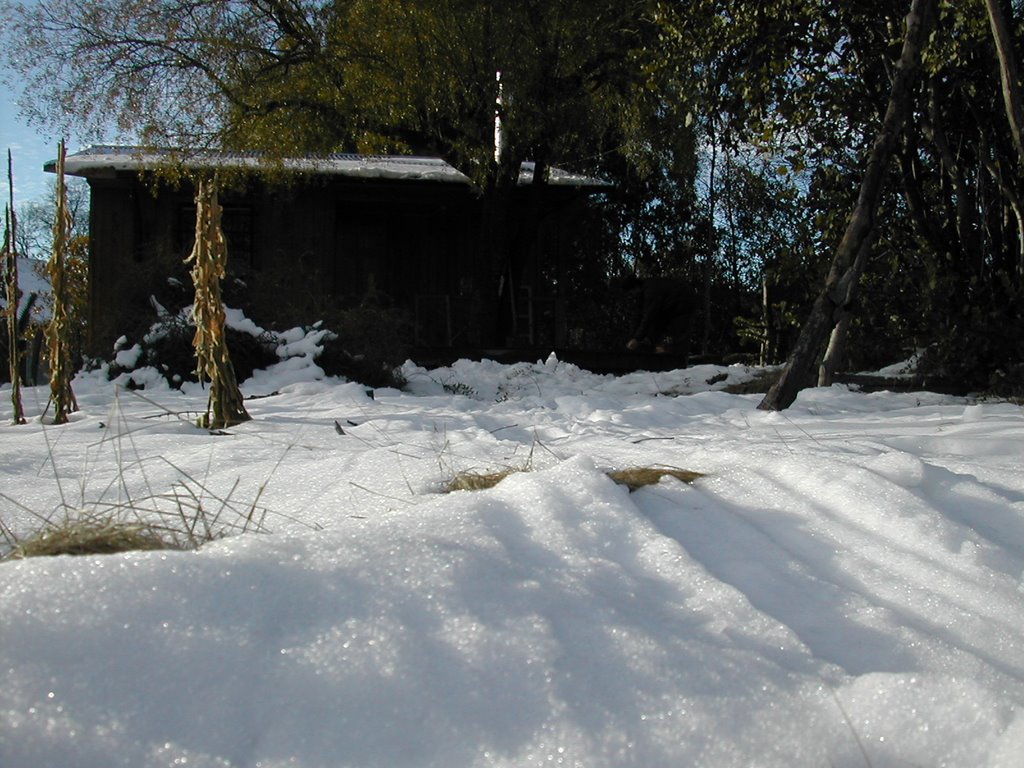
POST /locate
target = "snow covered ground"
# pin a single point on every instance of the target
(843, 587)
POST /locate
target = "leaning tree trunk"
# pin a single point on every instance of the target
(58, 331)
(1008, 76)
(835, 352)
(13, 295)
(209, 264)
(1012, 100)
(840, 286)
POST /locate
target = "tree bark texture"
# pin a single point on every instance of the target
(840, 285)
(843, 318)
(209, 266)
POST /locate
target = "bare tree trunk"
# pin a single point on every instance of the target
(835, 351)
(58, 330)
(1008, 75)
(13, 295)
(766, 319)
(1014, 202)
(209, 259)
(708, 265)
(843, 317)
(926, 224)
(1010, 81)
(966, 219)
(847, 262)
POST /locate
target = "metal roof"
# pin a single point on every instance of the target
(103, 159)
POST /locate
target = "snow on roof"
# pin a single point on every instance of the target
(97, 160)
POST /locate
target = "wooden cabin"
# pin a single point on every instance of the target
(328, 232)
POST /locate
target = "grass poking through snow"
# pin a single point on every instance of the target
(638, 477)
(633, 478)
(88, 535)
(128, 514)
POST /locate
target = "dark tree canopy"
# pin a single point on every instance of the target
(301, 76)
(807, 83)
(736, 132)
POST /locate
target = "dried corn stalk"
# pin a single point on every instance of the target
(58, 330)
(209, 264)
(13, 295)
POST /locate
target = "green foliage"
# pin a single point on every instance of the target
(806, 83)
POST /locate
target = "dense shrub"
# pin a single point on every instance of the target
(168, 349)
(980, 351)
(367, 344)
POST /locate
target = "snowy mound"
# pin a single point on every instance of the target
(841, 588)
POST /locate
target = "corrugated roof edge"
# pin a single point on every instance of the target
(104, 158)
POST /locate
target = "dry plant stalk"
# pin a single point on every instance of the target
(209, 266)
(13, 295)
(58, 330)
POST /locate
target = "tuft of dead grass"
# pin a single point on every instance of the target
(185, 517)
(633, 478)
(91, 535)
(179, 520)
(638, 477)
(471, 480)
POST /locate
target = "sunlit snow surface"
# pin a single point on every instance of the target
(842, 588)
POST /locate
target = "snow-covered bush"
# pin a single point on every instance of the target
(166, 350)
(261, 356)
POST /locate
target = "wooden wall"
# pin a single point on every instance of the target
(304, 249)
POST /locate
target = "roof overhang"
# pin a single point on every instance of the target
(107, 161)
